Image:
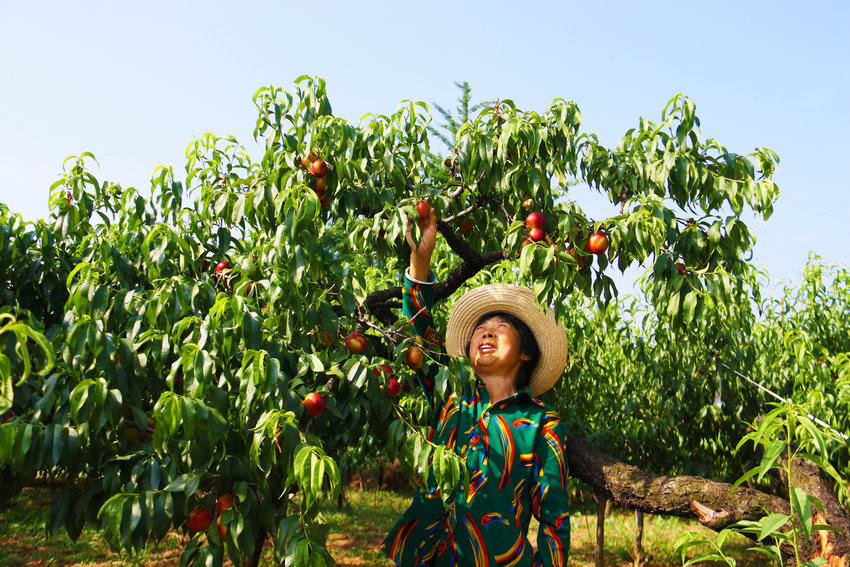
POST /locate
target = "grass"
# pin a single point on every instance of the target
(24, 540)
(355, 532)
(358, 528)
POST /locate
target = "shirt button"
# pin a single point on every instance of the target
(448, 531)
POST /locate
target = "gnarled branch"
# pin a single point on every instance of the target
(662, 494)
(381, 298)
(714, 504)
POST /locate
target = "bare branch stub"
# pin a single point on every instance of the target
(467, 211)
(709, 516)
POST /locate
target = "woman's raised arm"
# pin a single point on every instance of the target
(418, 296)
(420, 253)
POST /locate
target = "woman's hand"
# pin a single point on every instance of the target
(420, 255)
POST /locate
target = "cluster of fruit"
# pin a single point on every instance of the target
(355, 343)
(318, 168)
(221, 273)
(200, 518)
(597, 243)
(223, 278)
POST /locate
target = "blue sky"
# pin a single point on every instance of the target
(136, 83)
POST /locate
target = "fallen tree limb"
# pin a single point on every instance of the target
(714, 504)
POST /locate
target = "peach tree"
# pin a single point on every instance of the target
(181, 328)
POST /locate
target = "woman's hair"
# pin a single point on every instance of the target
(528, 344)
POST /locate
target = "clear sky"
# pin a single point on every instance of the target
(135, 83)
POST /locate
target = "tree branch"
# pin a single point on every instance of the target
(381, 298)
(465, 271)
(807, 475)
(714, 504)
(670, 495)
(458, 244)
(467, 211)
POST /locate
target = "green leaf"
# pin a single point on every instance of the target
(714, 233)
(771, 524)
(814, 433)
(690, 305)
(525, 259)
(771, 453)
(189, 417)
(748, 475)
(7, 393)
(59, 512)
(710, 557)
(802, 508)
(770, 551)
(238, 209)
(315, 363)
(22, 444)
(824, 465)
(357, 375)
(60, 434)
(135, 513)
(187, 483)
(287, 527)
(78, 398)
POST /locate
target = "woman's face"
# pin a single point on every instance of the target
(496, 348)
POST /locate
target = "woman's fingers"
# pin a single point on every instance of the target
(428, 228)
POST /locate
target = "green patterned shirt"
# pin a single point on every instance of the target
(514, 451)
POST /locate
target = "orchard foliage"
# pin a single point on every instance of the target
(684, 391)
(158, 383)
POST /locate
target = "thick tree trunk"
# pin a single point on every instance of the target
(601, 505)
(710, 502)
(640, 555)
(254, 560)
(340, 499)
(833, 546)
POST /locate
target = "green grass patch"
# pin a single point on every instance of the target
(24, 539)
(357, 529)
(355, 532)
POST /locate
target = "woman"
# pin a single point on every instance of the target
(513, 444)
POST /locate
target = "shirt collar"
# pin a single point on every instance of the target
(523, 394)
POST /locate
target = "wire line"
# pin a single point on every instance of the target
(783, 400)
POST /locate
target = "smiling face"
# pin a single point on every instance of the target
(496, 348)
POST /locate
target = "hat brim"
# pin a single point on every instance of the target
(520, 302)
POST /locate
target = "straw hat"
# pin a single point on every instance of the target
(520, 302)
